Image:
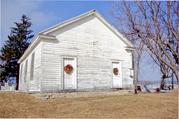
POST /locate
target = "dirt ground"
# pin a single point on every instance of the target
(100, 105)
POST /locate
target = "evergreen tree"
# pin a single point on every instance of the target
(14, 47)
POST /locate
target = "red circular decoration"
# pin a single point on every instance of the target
(115, 71)
(68, 68)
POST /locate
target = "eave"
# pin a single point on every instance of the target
(34, 43)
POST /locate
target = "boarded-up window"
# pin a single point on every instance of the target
(32, 67)
(25, 74)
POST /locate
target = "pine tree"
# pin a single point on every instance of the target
(14, 47)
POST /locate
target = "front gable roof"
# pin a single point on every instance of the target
(45, 33)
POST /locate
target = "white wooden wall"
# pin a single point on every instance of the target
(31, 85)
(95, 47)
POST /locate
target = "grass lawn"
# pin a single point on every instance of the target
(141, 106)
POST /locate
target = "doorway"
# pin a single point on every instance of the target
(69, 73)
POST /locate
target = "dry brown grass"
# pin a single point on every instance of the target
(147, 106)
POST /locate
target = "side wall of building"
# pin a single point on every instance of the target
(30, 73)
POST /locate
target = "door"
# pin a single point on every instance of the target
(117, 75)
(69, 73)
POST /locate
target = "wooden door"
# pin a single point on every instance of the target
(117, 75)
(69, 73)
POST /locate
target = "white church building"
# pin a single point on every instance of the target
(82, 53)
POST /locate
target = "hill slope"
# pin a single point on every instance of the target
(154, 106)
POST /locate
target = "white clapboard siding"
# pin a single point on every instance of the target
(32, 85)
(94, 45)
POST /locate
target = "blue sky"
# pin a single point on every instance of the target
(45, 13)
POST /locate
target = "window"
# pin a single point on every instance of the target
(25, 74)
(21, 67)
(132, 54)
(32, 67)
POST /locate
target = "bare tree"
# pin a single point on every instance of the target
(156, 25)
(164, 69)
(137, 57)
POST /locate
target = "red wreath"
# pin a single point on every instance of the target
(68, 68)
(115, 71)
